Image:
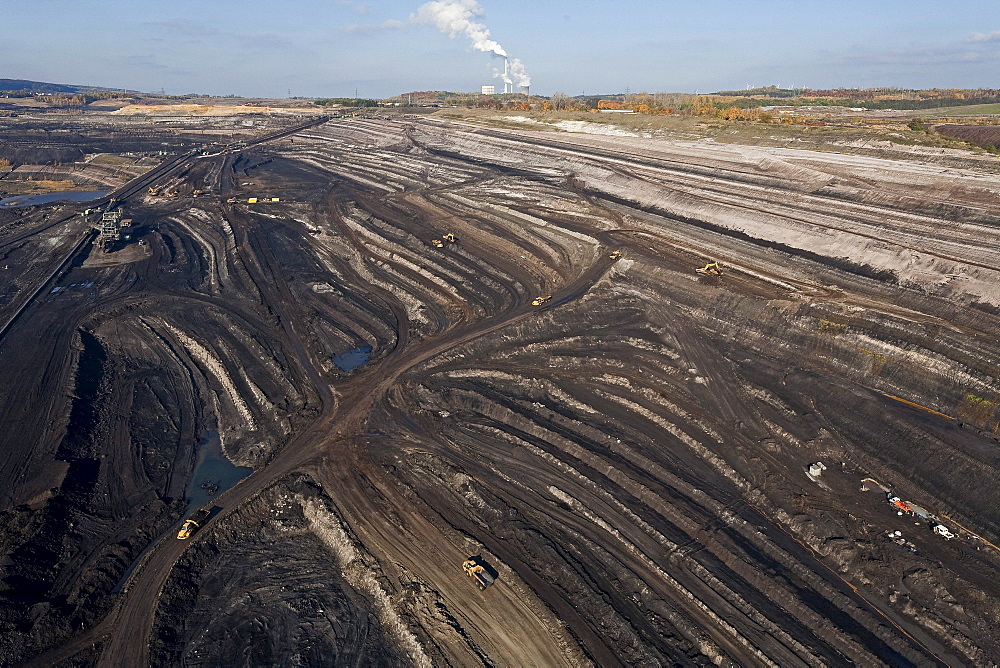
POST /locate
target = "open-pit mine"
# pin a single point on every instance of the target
(436, 392)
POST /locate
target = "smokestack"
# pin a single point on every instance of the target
(506, 76)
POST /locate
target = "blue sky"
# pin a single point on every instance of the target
(332, 47)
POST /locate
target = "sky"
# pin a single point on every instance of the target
(332, 48)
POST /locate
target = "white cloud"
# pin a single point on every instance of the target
(985, 36)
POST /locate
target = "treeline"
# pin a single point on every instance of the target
(870, 98)
(67, 99)
(641, 103)
(346, 102)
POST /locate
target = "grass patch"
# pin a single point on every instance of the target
(111, 160)
(40, 187)
(971, 110)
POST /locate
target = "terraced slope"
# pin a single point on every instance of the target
(630, 457)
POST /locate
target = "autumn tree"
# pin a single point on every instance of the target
(561, 101)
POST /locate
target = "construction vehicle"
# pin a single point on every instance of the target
(154, 191)
(538, 301)
(192, 524)
(451, 238)
(901, 506)
(251, 200)
(710, 269)
(231, 200)
(475, 569)
(197, 192)
(615, 255)
(438, 243)
(943, 531)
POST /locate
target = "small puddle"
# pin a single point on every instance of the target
(213, 474)
(352, 359)
(47, 198)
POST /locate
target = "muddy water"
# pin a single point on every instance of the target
(48, 198)
(213, 473)
(352, 359)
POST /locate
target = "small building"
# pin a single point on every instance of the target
(816, 470)
(489, 90)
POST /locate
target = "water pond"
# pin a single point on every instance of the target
(352, 359)
(48, 198)
(213, 473)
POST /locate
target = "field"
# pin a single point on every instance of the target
(833, 130)
(635, 455)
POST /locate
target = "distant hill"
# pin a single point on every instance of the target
(43, 87)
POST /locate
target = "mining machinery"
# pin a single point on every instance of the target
(474, 569)
(192, 524)
(710, 269)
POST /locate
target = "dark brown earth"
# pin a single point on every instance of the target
(983, 135)
(631, 457)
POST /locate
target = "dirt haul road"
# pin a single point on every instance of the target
(630, 457)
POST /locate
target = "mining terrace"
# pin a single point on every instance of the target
(788, 458)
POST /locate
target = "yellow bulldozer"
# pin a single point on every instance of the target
(710, 269)
(615, 255)
(438, 243)
(538, 301)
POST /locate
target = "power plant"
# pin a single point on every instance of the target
(511, 70)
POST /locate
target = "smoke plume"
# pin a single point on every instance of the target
(456, 18)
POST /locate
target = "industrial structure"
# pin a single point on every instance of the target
(113, 228)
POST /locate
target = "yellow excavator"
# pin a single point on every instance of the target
(475, 570)
(451, 238)
(615, 255)
(710, 269)
(538, 301)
